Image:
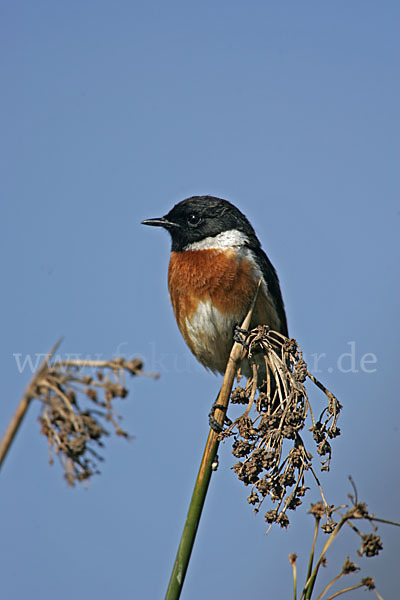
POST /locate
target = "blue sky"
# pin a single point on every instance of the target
(113, 112)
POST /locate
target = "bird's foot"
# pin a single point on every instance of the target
(215, 426)
(240, 335)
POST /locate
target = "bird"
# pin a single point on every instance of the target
(215, 265)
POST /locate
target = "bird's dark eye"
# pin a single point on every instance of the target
(193, 219)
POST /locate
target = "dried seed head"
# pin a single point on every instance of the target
(245, 428)
(329, 526)
(241, 448)
(368, 582)
(239, 396)
(134, 366)
(300, 371)
(263, 486)
(360, 510)
(271, 516)
(253, 498)
(317, 510)
(324, 561)
(293, 503)
(267, 434)
(74, 432)
(371, 545)
(290, 346)
(283, 521)
(349, 567)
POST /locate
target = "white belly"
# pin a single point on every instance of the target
(211, 335)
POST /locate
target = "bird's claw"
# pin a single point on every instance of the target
(240, 335)
(215, 426)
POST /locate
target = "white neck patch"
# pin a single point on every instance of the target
(222, 241)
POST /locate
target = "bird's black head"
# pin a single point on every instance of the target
(201, 217)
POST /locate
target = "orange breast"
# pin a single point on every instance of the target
(200, 275)
(210, 292)
(227, 281)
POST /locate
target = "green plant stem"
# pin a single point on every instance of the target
(204, 475)
(308, 588)
(192, 519)
(310, 563)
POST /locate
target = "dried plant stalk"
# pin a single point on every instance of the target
(267, 435)
(76, 407)
(22, 407)
(370, 546)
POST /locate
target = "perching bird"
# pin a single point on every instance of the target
(215, 265)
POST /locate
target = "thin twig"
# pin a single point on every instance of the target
(292, 560)
(349, 589)
(329, 585)
(19, 414)
(115, 364)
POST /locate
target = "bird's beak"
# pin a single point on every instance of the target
(161, 222)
